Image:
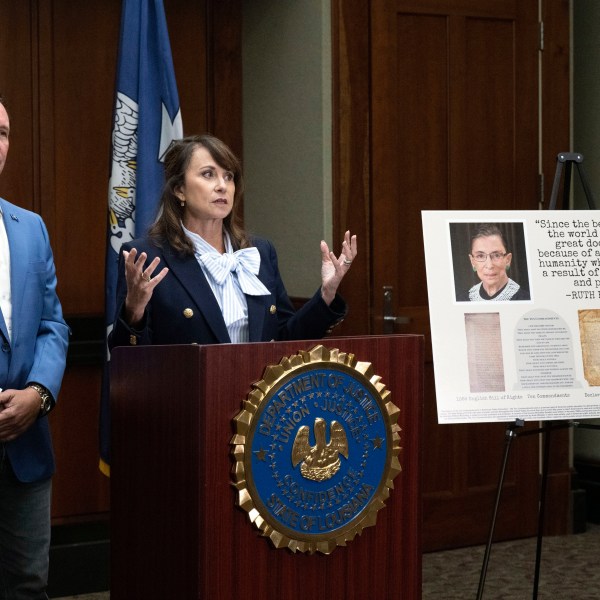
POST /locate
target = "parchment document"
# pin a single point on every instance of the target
(589, 331)
(484, 352)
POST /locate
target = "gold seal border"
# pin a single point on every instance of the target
(259, 393)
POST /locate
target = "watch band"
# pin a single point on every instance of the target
(47, 402)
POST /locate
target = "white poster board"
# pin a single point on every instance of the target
(532, 358)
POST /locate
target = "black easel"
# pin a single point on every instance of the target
(568, 158)
(563, 158)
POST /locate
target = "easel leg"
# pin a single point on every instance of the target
(510, 434)
(541, 513)
(567, 186)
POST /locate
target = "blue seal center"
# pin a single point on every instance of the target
(319, 451)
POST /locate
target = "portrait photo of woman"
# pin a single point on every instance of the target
(496, 255)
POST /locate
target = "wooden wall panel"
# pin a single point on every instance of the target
(555, 98)
(80, 491)
(206, 46)
(78, 113)
(17, 49)
(224, 67)
(187, 32)
(351, 141)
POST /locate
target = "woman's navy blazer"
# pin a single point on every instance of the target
(184, 310)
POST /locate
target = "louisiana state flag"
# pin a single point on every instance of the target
(147, 118)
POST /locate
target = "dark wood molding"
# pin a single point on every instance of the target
(351, 141)
(87, 342)
(555, 98)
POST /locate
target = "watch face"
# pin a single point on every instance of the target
(46, 405)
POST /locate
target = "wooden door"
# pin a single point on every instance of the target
(451, 122)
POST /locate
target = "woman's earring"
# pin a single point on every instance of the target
(181, 202)
(507, 268)
(474, 269)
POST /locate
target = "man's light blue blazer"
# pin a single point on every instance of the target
(37, 350)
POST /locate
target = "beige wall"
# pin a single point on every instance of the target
(287, 132)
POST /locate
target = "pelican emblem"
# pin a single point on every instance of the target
(321, 461)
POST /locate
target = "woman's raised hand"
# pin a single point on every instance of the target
(140, 284)
(334, 268)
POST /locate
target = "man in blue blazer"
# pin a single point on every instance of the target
(33, 344)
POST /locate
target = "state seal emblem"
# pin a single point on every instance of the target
(316, 449)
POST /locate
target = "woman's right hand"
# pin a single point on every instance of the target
(140, 284)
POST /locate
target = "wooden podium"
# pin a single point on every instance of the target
(176, 532)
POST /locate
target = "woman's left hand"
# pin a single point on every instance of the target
(334, 268)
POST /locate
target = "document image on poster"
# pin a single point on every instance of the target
(514, 303)
(484, 352)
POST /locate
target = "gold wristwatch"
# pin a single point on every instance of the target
(47, 403)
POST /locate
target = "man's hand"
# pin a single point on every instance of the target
(18, 410)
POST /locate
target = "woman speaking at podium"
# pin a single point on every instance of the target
(198, 277)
